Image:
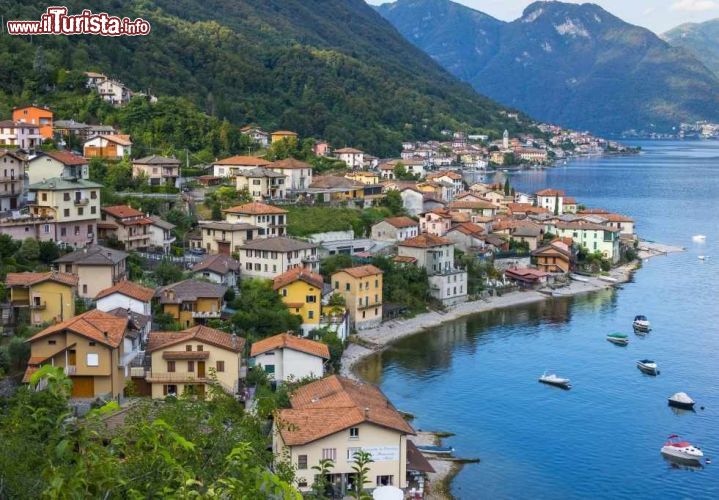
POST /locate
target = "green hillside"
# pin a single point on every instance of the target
(700, 39)
(327, 68)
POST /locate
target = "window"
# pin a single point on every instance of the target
(93, 210)
(311, 299)
(93, 359)
(66, 212)
(329, 454)
(220, 366)
(93, 195)
(52, 342)
(191, 366)
(351, 453)
(347, 287)
(84, 289)
(188, 348)
(354, 432)
(284, 292)
(66, 196)
(270, 369)
(302, 483)
(170, 366)
(200, 348)
(91, 343)
(80, 211)
(301, 462)
(310, 314)
(337, 285)
(44, 196)
(385, 480)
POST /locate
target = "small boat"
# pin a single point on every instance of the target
(609, 279)
(699, 238)
(682, 450)
(681, 400)
(641, 323)
(553, 379)
(703, 257)
(579, 278)
(436, 450)
(618, 338)
(648, 366)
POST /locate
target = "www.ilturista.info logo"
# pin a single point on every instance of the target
(56, 21)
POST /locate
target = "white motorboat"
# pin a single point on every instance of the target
(682, 450)
(699, 238)
(553, 379)
(681, 400)
(641, 323)
(703, 257)
(648, 366)
(579, 278)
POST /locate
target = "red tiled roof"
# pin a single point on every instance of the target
(295, 274)
(255, 208)
(122, 211)
(401, 222)
(217, 338)
(468, 228)
(243, 161)
(362, 271)
(289, 341)
(28, 279)
(96, 325)
(473, 205)
(425, 240)
(66, 157)
(290, 164)
(333, 404)
(129, 289)
(550, 192)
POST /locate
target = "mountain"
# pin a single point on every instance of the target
(576, 65)
(326, 68)
(700, 39)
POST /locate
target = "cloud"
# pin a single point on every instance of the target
(694, 5)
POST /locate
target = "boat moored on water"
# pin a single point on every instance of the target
(555, 380)
(648, 366)
(641, 323)
(618, 339)
(681, 400)
(682, 451)
(436, 450)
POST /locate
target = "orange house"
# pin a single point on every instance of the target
(36, 115)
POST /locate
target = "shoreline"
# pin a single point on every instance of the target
(377, 339)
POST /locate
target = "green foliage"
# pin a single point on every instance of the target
(167, 273)
(360, 466)
(393, 202)
(333, 342)
(333, 263)
(405, 285)
(261, 312)
(29, 250)
(401, 173)
(303, 221)
(321, 487)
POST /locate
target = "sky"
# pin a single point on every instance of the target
(657, 15)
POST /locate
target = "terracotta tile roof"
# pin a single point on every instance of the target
(442, 212)
(289, 341)
(473, 205)
(255, 208)
(334, 182)
(468, 228)
(218, 264)
(569, 201)
(28, 373)
(555, 247)
(401, 222)
(284, 132)
(295, 274)
(290, 164)
(217, 338)
(361, 271)
(29, 279)
(122, 140)
(66, 157)
(347, 151)
(122, 211)
(425, 240)
(459, 217)
(611, 217)
(185, 355)
(404, 259)
(527, 208)
(240, 160)
(189, 291)
(129, 289)
(333, 404)
(447, 173)
(550, 192)
(585, 226)
(96, 325)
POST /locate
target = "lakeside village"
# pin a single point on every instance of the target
(248, 279)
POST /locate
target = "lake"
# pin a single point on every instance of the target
(477, 377)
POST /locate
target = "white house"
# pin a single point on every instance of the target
(269, 257)
(108, 146)
(354, 158)
(229, 167)
(20, 134)
(287, 357)
(395, 229)
(552, 200)
(161, 233)
(219, 268)
(130, 300)
(298, 173)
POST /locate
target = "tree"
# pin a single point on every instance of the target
(362, 459)
(29, 251)
(333, 342)
(507, 188)
(334, 263)
(321, 487)
(556, 204)
(261, 312)
(393, 201)
(49, 251)
(53, 379)
(167, 273)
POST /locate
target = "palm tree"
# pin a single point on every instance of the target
(362, 459)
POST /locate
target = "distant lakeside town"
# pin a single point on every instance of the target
(250, 277)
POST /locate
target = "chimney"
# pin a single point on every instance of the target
(106, 335)
(366, 412)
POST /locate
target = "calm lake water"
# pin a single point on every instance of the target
(477, 377)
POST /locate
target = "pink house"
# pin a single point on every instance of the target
(436, 222)
(321, 148)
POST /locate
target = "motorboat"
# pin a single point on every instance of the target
(641, 323)
(648, 366)
(618, 339)
(699, 238)
(703, 257)
(555, 380)
(579, 278)
(682, 450)
(681, 400)
(436, 450)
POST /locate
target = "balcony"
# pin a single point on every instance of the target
(81, 202)
(7, 178)
(174, 377)
(70, 370)
(311, 258)
(206, 314)
(39, 306)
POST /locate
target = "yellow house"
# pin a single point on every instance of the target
(89, 348)
(364, 177)
(301, 291)
(96, 267)
(186, 361)
(362, 289)
(49, 297)
(191, 302)
(282, 134)
(334, 418)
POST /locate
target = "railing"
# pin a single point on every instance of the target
(70, 370)
(137, 372)
(38, 307)
(174, 377)
(82, 201)
(205, 314)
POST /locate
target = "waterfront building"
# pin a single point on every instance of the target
(593, 237)
(181, 362)
(286, 357)
(557, 257)
(551, 199)
(361, 288)
(334, 418)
